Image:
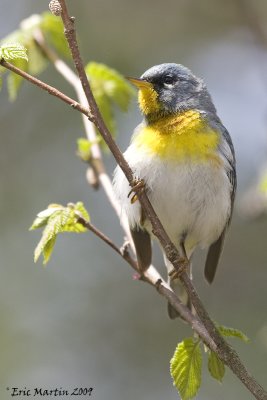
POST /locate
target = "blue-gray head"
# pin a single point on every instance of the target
(171, 88)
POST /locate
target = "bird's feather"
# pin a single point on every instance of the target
(143, 248)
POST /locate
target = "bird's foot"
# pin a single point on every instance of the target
(175, 274)
(138, 186)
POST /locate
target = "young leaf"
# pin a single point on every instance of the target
(14, 46)
(109, 88)
(76, 211)
(43, 216)
(216, 366)
(113, 84)
(232, 332)
(56, 219)
(186, 366)
(47, 250)
(15, 81)
(84, 149)
(37, 61)
(53, 31)
(12, 51)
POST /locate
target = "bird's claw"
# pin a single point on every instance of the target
(175, 274)
(138, 186)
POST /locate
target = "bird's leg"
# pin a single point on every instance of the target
(138, 186)
(184, 264)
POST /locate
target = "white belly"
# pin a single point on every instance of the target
(191, 199)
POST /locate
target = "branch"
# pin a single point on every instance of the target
(172, 298)
(203, 325)
(97, 166)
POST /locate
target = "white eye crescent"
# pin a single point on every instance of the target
(168, 85)
(169, 81)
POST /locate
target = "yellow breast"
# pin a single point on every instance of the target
(181, 136)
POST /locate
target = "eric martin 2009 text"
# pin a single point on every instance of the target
(18, 392)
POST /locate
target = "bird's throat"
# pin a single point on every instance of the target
(179, 136)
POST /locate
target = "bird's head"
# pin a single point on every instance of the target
(169, 89)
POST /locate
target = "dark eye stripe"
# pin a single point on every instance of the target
(169, 79)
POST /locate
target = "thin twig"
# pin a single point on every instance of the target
(184, 311)
(97, 165)
(48, 88)
(152, 273)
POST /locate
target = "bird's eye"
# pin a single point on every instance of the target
(169, 80)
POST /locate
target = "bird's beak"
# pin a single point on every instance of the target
(140, 83)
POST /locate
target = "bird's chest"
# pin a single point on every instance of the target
(191, 198)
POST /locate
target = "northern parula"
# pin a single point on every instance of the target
(185, 157)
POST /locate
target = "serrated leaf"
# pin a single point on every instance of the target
(48, 249)
(57, 219)
(14, 46)
(53, 31)
(109, 87)
(13, 51)
(15, 81)
(80, 211)
(43, 216)
(53, 226)
(186, 366)
(77, 211)
(232, 332)
(216, 366)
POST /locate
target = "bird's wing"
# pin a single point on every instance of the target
(142, 242)
(216, 248)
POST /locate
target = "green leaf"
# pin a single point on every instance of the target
(37, 61)
(232, 332)
(186, 366)
(48, 249)
(14, 46)
(57, 219)
(109, 88)
(43, 216)
(76, 211)
(216, 366)
(12, 51)
(84, 149)
(15, 81)
(53, 31)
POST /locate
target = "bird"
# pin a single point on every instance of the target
(185, 158)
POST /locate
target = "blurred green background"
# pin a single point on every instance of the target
(83, 321)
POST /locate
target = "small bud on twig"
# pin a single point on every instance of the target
(55, 7)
